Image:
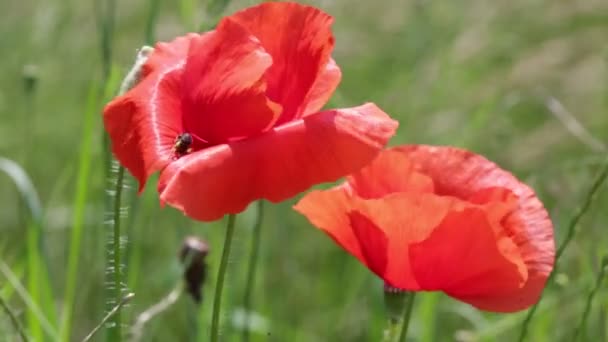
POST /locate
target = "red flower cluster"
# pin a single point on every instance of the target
(232, 115)
(427, 218)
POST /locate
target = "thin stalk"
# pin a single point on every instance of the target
(252, 267)
(80, 199)
(597, 183)
(137, 330)
(407, 314)
(123, 301)
(14, 319)
(580, 331)
(29, 301)
(114, 272)
(221, 273)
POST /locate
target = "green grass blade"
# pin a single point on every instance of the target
(580, 331)
(85, 160)
(35, 311)
(38, 283)
(14, 321)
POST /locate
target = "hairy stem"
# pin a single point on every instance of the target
(114, 271)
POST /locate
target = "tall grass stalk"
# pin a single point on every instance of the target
(105, 11)
(252, 268)
(221, 273)
(85, 160)
(579, 334)
(34, 311)
(14, 321)
(38, 283)
(570, 233)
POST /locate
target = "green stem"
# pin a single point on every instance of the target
(221, 273)
(252, 267)
(597, 183)
(114, 257)
(392, 330)
(407, 314)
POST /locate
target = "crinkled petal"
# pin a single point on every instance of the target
(224, 89)
(300, 41)
(277, 164)
(167, 54)
(144, 122)
(463, 174)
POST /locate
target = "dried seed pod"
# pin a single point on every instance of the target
(192, 255)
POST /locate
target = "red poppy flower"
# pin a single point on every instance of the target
(427, 218)
(232, 115)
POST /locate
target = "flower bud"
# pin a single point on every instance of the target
(192, 255)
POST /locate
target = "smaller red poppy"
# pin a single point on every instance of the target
(427, 218)
(234, 115)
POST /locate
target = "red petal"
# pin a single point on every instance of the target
(329, 211)
(224, 90)
(462, 258)
(339, 216)
(276, 165)
(300, 41)
(404, 218)
(372, 241)
(463, 174)
(144, 122)
(324, 86)
(390, 172)
(166, 55)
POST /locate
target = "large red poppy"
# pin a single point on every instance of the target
(427, 218)
(249, 95)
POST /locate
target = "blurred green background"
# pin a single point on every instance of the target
(523, 82)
